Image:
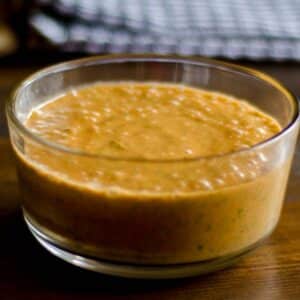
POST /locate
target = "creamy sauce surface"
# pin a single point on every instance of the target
(154, 212)
(150, 120)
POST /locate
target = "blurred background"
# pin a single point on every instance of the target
(264, 34)
(232, 29)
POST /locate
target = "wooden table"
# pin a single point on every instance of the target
(28, 272)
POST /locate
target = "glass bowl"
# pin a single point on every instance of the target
(146, 232)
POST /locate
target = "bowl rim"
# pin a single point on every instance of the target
(117, 58)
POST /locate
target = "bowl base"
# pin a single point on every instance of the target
(134, 270)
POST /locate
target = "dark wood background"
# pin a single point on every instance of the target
(28, 272)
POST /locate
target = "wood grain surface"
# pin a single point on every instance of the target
(27, 271)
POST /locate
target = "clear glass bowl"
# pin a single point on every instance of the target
(143, 232)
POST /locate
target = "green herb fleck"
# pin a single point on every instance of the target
(199, 247)
(240, 211)
(66, 130)
(116, 145)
